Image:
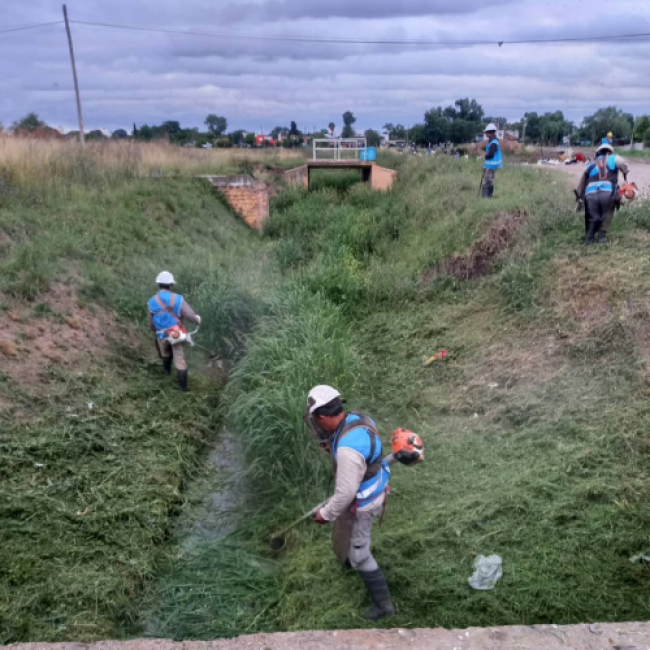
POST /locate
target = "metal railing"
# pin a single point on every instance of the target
(339, 148)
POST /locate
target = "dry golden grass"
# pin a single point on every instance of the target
(30, 159)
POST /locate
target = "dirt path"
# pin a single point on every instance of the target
(620, 636)
(639, 173)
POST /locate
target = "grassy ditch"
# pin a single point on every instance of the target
(535, 427)
(97, 447)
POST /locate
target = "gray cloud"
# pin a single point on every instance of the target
(145, 77)
(276, 10)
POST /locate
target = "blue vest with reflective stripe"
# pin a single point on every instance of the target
(497, 161)
(161, 319)
(360, 440)
(595, 182)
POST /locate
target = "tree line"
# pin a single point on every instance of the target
(458, 124)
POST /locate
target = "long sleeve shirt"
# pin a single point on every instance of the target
(187, 313)
(350, 470)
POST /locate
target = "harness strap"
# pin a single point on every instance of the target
(601, 164)
(364, 422)
(169, 309)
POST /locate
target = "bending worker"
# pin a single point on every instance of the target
(361, 487)
(493, 161)
(166, 311)
(598, 188)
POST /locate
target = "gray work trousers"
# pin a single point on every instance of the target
(488, 178)
(360, 555)
(601, 209)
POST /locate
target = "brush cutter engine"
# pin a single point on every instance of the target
(628, 192)
(179, 334)
(407, 447)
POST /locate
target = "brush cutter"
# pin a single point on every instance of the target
(480, 185)
(406, 449)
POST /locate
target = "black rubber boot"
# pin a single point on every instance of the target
(589, 239)
(485, 192)
(379, 595)
(602, 236)
(491, 195)
(182, 381)
(167, 365)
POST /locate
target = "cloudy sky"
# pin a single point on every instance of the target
(131, 76)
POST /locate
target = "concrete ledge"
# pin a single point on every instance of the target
(628, 636)
(379, 178)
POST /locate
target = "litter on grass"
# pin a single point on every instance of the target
(641, 557)
(487, 571)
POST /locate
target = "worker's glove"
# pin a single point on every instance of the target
(318, 518)
(198, 319)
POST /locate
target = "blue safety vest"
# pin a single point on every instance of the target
(360, 439)
(497, 161)
(602, 180)
(166, 315)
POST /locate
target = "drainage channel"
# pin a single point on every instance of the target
(212, 512)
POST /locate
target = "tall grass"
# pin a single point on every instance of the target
(52, 162)
(533, 428)
(88, 498)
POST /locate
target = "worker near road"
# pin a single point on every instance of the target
(598, 188)
(167, 310)
(610, 138)
(493, 161)
(361, 488)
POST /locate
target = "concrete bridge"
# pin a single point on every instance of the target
(379, 178)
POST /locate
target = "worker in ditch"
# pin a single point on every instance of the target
(598, 188)
(166, 313)
(493, 161)
(361, 488)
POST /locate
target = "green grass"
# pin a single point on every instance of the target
(535, 428)
(644, 153)
(125, 464)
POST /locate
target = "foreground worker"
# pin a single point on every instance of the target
(598, 188)
(361, 487)
(166, 313)
(493, 161)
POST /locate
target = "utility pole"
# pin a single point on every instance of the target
(82, 137)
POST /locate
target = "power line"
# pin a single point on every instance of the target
(355, 41)
(24, 27)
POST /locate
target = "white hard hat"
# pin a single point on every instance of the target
(165, 277)
(319, 396)
(607, 146)
(490, 127)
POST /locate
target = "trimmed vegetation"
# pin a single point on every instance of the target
(535, 428)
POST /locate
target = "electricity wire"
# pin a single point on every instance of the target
(25, 27)
(360, 41)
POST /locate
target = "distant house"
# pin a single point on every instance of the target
(261, 139)
(503, 134)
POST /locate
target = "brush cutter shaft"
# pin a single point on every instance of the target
(390, 460)
(280, 533)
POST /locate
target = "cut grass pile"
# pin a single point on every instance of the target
(535, 428)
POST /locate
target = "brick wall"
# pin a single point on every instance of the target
(251, 202)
